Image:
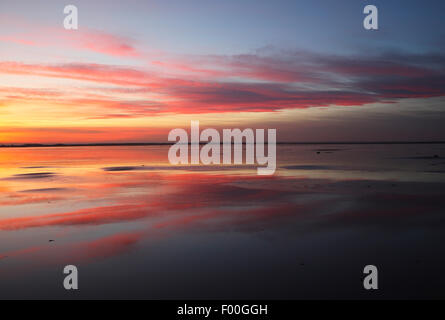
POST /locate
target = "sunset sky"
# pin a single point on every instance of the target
(134, 70)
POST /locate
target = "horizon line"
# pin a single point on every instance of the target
(112, 144)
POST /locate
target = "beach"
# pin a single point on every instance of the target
(138, 227)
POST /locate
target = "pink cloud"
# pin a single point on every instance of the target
(84, 39)
(245, 83)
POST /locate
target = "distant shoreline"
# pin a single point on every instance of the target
(37, 145)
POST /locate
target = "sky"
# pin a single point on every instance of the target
(134, 70)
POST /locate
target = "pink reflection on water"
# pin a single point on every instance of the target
(65, 195)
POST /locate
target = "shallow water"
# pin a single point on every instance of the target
(137, 227)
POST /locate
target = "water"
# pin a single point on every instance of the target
(137, 227)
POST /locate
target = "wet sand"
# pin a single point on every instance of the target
(137, 227)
